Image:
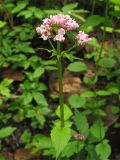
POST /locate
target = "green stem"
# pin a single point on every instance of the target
(74, 46)
(104, 29)
(77, 158)
(61, 100)
(51, 45)
(93, 6)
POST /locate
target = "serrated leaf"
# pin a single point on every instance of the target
(98, 130)
(60, 138)
(40, 98)
(103, 150)
(21, 5)
(38, 72)
(70, 149)
(27, 98)
(67, 112)
(7, 131)
(41, 141)
(81, 123)
(76, 101)
(77, 67)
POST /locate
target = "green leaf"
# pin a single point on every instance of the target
(20, 5)
(88, 94)
(2, 158)
(7, 131)
(67, 112)
(70, 149)
(98, 130)
(25, 137)
(103, 150)
(40, 98)
(27, 97)
(107, 62)
(113, 90)
(38, 72)
(4, 91)
(38, 13)
(6, 82)
(117, 2)
(103, 93)
(41, 141)
(60, 138)
(69, 7)
(25, 13)
(77, 67)
(115, 110)
(2, 24)
(30, 113)
(94, 20)
(81, 123)
(76, 101)
(92, 155)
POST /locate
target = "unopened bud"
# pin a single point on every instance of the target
(79, 137)
(89, 74)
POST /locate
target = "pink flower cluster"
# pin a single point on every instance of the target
(63, 22)
(82, 37)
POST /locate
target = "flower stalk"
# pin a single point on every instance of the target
(59, 69)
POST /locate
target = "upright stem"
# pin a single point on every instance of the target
(93, 6)
(104, 29)
(61, 99)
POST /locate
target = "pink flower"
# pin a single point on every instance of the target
(82, 37)
(61, 31)
(59, 37)
(63, 22)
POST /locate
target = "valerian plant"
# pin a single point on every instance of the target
(55, 28)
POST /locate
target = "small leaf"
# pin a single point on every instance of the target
(2, 24)
(60, 138)
(103, 150)
(81, 123)
(27, 98)
(41, 141)
(103, 93)
(7, 131)
(70, 149)
(76, 101)
(40, 99)
(25, 137)
(21, 5)
(25, 13)
(67, 112)
(94, 20)
(107, 62)
(69, 7)
(38, 72)
(98, 130)
(77, 67)
(88, 94)
(115, 110)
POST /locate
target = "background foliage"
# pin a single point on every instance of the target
(28, 86)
